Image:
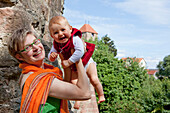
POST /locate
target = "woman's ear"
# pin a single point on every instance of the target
(19, 57)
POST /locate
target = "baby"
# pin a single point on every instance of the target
(66, 39)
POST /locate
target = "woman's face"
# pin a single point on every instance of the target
(35, 55)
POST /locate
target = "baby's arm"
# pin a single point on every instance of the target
(78, 53)
(52, 55)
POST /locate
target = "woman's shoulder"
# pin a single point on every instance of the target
(23, 78)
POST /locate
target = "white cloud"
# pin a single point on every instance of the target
(121, 53)
(152, 11)
(152, 62)
(135, 41)
(77, 16)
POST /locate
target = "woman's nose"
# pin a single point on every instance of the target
(34, 47)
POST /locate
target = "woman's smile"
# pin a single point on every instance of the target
(38, 53)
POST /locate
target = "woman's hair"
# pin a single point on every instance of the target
(21, 27)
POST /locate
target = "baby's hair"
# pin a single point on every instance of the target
(57, 20)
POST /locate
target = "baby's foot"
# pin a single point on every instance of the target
(77, 105)
(101, 99)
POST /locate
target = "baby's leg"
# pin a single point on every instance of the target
(74, 77)
(77, 105)
(92, 74)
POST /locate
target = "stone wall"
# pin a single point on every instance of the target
(88, 106)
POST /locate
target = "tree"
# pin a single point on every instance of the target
(164, 67)
(154, 96)
(110, 43)
(120, 83)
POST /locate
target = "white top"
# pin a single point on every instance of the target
(79, 50)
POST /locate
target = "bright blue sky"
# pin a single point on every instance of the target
(139, 28)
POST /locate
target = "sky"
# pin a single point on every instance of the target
(139, 28)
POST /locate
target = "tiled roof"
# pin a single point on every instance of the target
(87, 28)
(152, 71)
(136, 59)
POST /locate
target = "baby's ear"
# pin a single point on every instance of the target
(71, 28)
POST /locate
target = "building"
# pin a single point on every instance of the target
(141, 61)
(88, 32)
(152, 72)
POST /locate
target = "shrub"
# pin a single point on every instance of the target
(128, 88)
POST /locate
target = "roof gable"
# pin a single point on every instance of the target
(152, 71)
(134, 59)
(87, 28)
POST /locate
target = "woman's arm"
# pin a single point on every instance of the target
(64, 90)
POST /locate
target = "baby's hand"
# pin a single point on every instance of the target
(53, 56)
(66, 63)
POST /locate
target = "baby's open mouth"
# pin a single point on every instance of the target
(62, 38)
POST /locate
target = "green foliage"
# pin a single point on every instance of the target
(106, 40)
(155, 95)
(127, 88)
(164, 67)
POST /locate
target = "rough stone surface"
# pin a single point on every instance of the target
(88, 106)
(39, 12)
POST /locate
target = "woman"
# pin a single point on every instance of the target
(42, 87)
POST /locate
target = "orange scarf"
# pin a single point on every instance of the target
(36, 88)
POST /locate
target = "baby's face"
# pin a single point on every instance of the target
(60, 32)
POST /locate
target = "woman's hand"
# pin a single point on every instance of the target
(66, 63)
